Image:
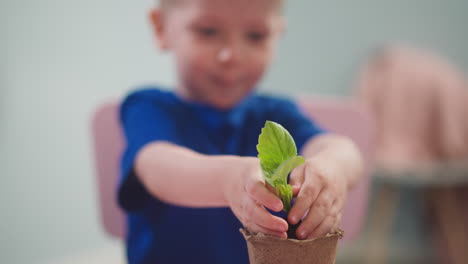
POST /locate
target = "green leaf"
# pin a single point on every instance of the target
(278, 157)
(280, 176)
(275, 145)
(286, 196)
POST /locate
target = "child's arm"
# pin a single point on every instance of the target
(333, 165)
(180, 176)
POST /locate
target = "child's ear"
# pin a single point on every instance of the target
(282, 26)
(159, 27)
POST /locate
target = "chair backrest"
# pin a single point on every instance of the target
(339, 116)
(108, 148)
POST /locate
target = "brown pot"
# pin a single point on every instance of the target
(272, 250)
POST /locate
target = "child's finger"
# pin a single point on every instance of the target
(297, 177)
(270, 188)
(320, 209)
(324, 228)
(259, 193)
(329, 224)
(307, 194)
(337, 223)
(258, 215)
(296, 190)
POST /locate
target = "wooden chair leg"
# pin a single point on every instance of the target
(449, 214)
(381, 223)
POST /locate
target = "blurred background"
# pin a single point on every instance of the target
(60, 59)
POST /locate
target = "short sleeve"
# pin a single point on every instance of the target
(145, 118)
(290, 116)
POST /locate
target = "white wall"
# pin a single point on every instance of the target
(60, 58)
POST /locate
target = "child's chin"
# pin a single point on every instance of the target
(224, 104)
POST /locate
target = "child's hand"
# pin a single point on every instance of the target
(322, 192)
(248, 196)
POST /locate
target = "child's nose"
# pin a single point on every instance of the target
(225, 54)
(229, 55)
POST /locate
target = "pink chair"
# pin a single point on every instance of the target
(108, 147)
(336, 115)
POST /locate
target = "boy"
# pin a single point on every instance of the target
(190, 176)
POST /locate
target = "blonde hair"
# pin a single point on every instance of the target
(164, 4)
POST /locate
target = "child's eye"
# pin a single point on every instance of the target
(256, 36)
(207, 31)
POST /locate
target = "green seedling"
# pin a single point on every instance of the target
(278, 157)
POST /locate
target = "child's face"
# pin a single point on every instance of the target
(221, 47)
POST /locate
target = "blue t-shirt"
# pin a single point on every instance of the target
(161, 233)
